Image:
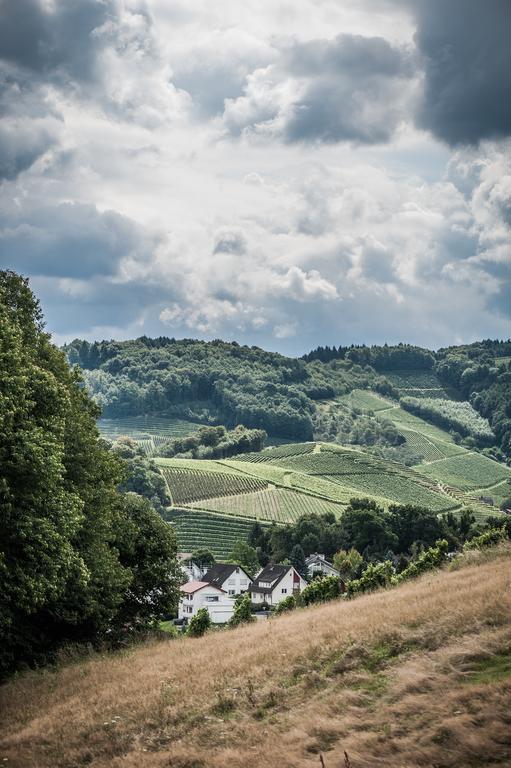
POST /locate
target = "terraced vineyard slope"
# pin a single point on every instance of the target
(280, 484)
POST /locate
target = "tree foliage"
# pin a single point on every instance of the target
(212, 382)
(320, 590)
(199, 624)
(242, 612)
(68, 570)
(215, 443)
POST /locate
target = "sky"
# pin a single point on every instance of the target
(280, 173)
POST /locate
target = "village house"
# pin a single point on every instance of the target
(202, 594)
(229, 577)
(274, 583)
(318, 564)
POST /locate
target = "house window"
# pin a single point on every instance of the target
(232, 591)
(212, 598)
(284, 591)
(243, 582)
(231, 582)
(190, 597)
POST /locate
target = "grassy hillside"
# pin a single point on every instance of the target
(412, 677)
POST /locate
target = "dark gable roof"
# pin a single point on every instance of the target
(218, 574)
(272, 574)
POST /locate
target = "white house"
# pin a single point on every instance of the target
(229, 577)
(201, 594)
(274, 583)
(318, 564)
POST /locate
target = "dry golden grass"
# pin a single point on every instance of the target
(386, 678)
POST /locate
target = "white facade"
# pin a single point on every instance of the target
(196, 595)
(290, 584)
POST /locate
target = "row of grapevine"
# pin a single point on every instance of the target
(188, 485)
(467, 472)
(452, 414)
(279, 452)
(274, 505)
(397, 489)
(166, 427)
(196, 529)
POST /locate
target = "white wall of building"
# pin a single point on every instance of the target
(219, 605)
(236, 583)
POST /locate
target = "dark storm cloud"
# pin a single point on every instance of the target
(56, 40)
(21, 146)
(466, 51)
(71, 240)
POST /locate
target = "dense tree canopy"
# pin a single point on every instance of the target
(214, 443)
(77, 558)
(213, 382)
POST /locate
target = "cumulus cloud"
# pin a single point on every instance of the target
(254, 173)
(351, 88)
(466, 60)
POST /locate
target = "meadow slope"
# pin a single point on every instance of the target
(415, 676)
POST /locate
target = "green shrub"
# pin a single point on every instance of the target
(242, 612)
(431, 558)
(375, 576)
(288, 604)
(489, 538)
(199, 624)
(320, 590)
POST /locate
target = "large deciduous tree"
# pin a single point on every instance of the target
(76, 556)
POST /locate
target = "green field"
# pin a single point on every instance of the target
(363, 400)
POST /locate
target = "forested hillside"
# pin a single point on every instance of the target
(223, 383)
(479, 373)
(212, 382)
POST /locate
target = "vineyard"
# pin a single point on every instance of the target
(428, 447)
(279, 452)
(188, 485)
(276, 505)
(467, 472)
(363, 400)
(281, 483)
(451, 414)
(196, 529)
(417, 384)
